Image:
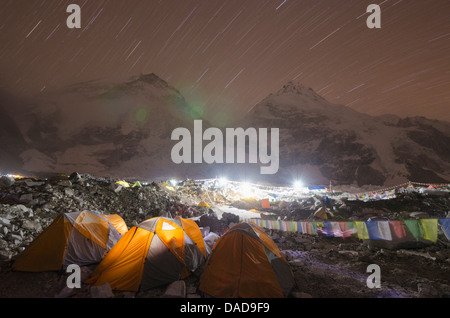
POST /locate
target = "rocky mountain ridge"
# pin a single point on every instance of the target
(123, 129)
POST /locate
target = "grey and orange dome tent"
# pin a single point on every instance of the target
(81, 238)
(156, 252)
(246, 263)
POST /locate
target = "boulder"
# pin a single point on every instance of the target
(75, 178)
(26, 197)
(230, 218)
(210, 220)
(6, 181)
(419, 215)
(32, 225)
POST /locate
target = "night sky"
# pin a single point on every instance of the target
(227, 55)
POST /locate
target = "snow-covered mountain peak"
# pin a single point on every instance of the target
(295, 99)
(293, 87)
(151, 78)
(319, 139)
(122, 127)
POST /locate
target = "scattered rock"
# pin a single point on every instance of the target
(301, 295)
(6, 181)
(175, 290)
(75, 178)
(103, 291)
(28, 206)
(116, 187)
(32, 225)
(321, 213)
(26, 197)
(415, 253)
(352, 253)
(419, 215)
(65, 183)
(427, 291)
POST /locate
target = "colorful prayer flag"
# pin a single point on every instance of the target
(328, 229)
(429, 227)
(372, 228)
(415, 228)
(399, 229)
(384, 230)
(445, 223)
(361, 230)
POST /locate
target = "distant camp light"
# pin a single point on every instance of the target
(298, 184)
(173, 182)
(246, 189)
(223, 181)
(14, 176)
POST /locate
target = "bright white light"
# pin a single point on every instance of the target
(173, 182)
(223, 181)
(246, 189)
(298, 184)
(14, 176)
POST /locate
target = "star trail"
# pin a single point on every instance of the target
(225, 56)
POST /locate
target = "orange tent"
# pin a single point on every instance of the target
(265, 203)
(246, 263)
(156, 252)
(80, 238)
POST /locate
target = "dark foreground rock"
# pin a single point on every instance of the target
(322, 266)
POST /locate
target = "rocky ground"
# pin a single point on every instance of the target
(322, 266)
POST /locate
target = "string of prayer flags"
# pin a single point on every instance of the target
(372, 229)
(291, 226)
(276, 225)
